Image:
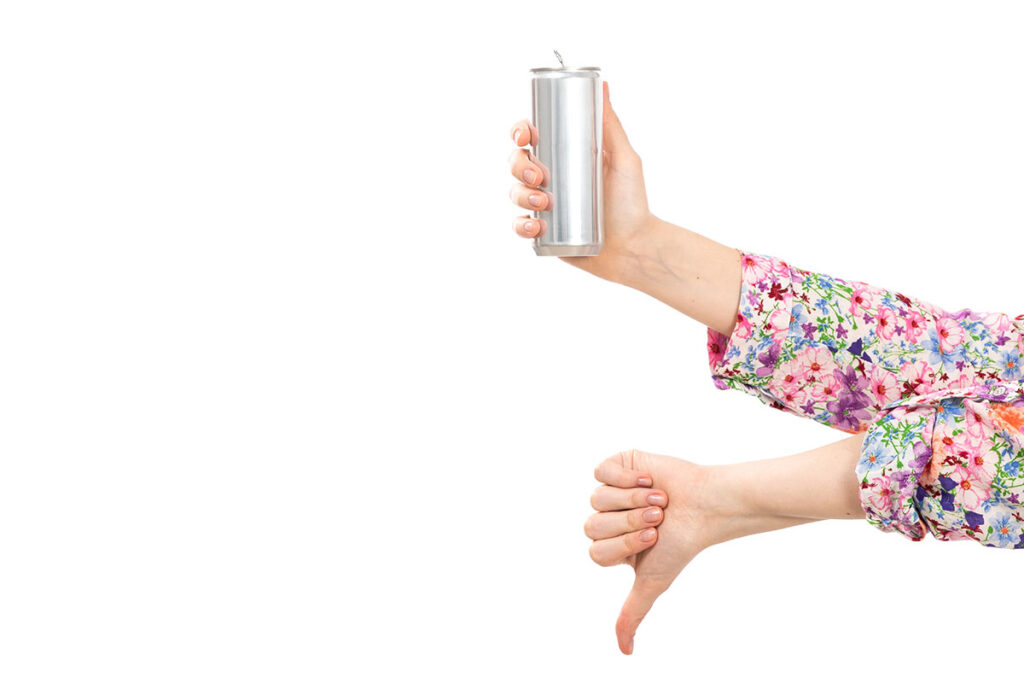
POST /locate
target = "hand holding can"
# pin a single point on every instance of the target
(627, 223)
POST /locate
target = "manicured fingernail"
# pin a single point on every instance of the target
(652, 515)
(515, 135)
(656, 499)
(644, 481)
(530, 176)
(529, 227)
(647, 535)
(536, 200)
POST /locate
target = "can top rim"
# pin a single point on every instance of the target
(568, 68)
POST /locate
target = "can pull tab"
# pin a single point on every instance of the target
(559, 59)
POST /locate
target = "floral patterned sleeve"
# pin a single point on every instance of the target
(950, 462)
(837, 350)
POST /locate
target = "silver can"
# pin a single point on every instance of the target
(568, 104)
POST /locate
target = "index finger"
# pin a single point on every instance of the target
(525, 133)
(612, 473)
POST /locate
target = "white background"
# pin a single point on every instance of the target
(280, 397)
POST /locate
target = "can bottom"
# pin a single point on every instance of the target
(567, 249)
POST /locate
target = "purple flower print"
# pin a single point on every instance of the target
(809, 330)
(852, 381)
(849, 411)
(910, 522)
(922, 456)
(993, 391)
(920, 494)
(841, 331)
(901, 479)
(852, 406)
(768, 359)
(974, 519)
(857, 349)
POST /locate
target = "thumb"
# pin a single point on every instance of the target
(638, 603)
(615, 140)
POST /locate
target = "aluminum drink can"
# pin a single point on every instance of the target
(568, 104)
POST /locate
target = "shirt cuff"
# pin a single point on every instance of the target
(949, 462)
(747, 358)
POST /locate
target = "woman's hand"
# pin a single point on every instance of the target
(628, 221)
(686, 521)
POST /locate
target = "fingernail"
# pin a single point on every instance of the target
(515, 135)
(652, 515)
(529, 226)
(536, 200)
(644, 481)
(530, 176)
(647, 535)
(656, 499)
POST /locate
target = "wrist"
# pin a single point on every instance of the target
(642, 263)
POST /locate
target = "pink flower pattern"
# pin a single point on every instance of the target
(938, 395)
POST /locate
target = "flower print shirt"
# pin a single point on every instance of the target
(935, 393)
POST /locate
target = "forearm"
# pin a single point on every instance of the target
(817, 484)
(691, 273)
